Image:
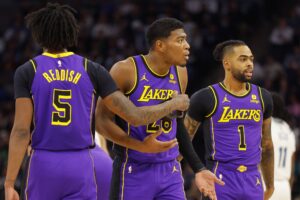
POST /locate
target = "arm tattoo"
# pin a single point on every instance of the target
(138, 115)
(191, 125)
(267, 162)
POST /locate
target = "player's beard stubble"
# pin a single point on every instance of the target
(240, 75)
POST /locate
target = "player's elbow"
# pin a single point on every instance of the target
(21, 133)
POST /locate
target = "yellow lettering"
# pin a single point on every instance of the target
(57, 72)
(156, 94)
(47, 77)
(62, 75)
(52, 74)
(71, 75)
(77, 77)
(223, 117)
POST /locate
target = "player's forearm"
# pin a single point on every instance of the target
(148, 114)
(267, 165)
(115, 134)
(18, 145)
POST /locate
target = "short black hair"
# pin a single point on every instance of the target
(54, 26)
(162, 28)
(224, 47)
(279, 110)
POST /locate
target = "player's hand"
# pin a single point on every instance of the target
(205, 181)
(11, 193)
(181, 101)
(152, 145)
(268, 193)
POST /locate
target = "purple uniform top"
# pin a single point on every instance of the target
(231, 125)
(236, 126)
(151, 89)
(64, 89)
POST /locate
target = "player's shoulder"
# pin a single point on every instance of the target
(27, 67)
(206, 93)
(123, 66)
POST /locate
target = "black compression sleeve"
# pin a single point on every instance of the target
(186, 147)
(268, 103)
(23, 79)
(101, 79)
(201, 104)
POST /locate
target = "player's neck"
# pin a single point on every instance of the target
(157, 64)
(234, 86)
(54, 51)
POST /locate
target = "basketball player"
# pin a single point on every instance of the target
(284, 150)
(59, 90)
(151, 79)
(235, 116)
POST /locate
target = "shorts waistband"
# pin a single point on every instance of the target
(235, 167)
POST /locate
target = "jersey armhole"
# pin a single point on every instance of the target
(261, 99)
(179, 79)
(135, 77)
(216, 102)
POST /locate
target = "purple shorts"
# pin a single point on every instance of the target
(103, 169)
(61, 175)
(241, 182)
(147, 181)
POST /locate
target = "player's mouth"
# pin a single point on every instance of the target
(249, 73)
(187, 56)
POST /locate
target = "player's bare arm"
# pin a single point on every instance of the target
(191, 125)
(106, 127)
(123, 74)
(18, 144)
(267, 162)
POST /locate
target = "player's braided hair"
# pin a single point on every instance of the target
(54, 27)
(162, 28)
(224, 47)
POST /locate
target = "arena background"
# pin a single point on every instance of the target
(114, 29)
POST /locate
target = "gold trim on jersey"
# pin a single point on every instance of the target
(85, 64)
(28, 174)
(216, 101)
(213, 138)
(216, 167)
(262, 100)
(124, 167)
(148, 66)
(179, 80)
(94, 172)
(135, 76)
(91, 119)
(241, 95)
(59, 55)
(33, 65)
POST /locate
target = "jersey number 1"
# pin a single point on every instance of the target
(242, 145)
(62, 114)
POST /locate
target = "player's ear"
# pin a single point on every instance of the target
(226, 64)
(159, 45)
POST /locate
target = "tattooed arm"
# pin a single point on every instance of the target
(267, 161)
(122, 106)
(191, 125)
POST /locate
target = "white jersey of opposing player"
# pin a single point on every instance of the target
(284, 147)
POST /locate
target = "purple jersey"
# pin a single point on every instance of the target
(64, 103)
(236, 126)
(151, 89)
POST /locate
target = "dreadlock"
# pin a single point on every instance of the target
(54, 27)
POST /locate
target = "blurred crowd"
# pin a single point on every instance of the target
(111, 30)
